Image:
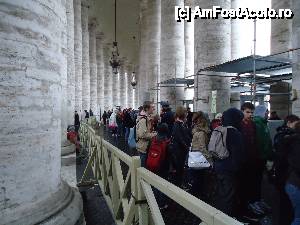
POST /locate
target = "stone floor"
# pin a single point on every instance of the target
(97, 212)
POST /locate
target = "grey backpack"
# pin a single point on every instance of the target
(217, 143)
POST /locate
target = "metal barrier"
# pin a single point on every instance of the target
(129, 196)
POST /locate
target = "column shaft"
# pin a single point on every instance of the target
(281, 40)
(70, 63)
(86, 100)
(115, 88)
(142, 69)
(212, 46)
(172, 52)
(153, 20)
(107, 79)
(189, 52)
(100, 73)
(235, 100)
(78, 55)
(93, 68)
(130, 100)
(33, 59)
(296, 56)
(122, 89)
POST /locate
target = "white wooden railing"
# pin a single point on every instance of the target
(129, 194)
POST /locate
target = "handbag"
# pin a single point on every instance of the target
(131, 139)
(196, 160)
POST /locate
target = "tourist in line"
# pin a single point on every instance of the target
(217, 121)
(167, 116)
(76, 121)
(189, 118)
(281, 168)
(143, 131)
(91, 112)
(292, 186)
(274, 116)
(248, 181)
(112, 124)
(226, 169)
(200, 132)
(86, 114)
(263, 144)
(104, 118)
(180, 143)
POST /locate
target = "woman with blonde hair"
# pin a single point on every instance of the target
(200, 132)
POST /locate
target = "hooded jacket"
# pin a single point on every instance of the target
(234, 142)
(263, 138)
(281, 146)
(143, 132)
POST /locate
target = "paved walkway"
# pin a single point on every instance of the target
(97, 212)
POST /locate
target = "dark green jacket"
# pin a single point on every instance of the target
(264, 142)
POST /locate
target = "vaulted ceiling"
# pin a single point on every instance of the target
(127, 25)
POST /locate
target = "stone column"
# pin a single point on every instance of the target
(152, 42)
(212, 46)
(93, 67)
(241, 39)
(296, 56)
(86, 100)
(115, 88)
(281, 102)
(125, 88)
(122, 89)
(189, 43)
(78, 55)
(70, 62)
(33, 41)
(235, 100)
(67, 83)
(130, 100)
(100, 73)
(281, 40)
(281, 30)
(172, 52)
(142, 70)
(107, 76)
(189, 52)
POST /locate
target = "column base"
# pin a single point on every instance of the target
(62, 207)
(67, 148)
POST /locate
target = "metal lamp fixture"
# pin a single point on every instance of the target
(114, 60)
(133, 80)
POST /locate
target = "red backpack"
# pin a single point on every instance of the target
(156, 154)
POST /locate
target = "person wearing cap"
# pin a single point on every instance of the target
(217, 121)
(263, 144)
(167, 116)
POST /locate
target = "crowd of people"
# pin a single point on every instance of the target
(236, 145)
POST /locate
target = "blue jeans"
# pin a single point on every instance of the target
(143, 157)
(294, 195)
(127, 130)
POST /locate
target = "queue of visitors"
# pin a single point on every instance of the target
(229, 153)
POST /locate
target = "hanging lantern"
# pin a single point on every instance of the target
(114, 60)
(133, 80)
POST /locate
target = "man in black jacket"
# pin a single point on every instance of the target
(292, 186)
(179, 148)
(227, 169)
(76, 121)
(281, 168)
(167, 116)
